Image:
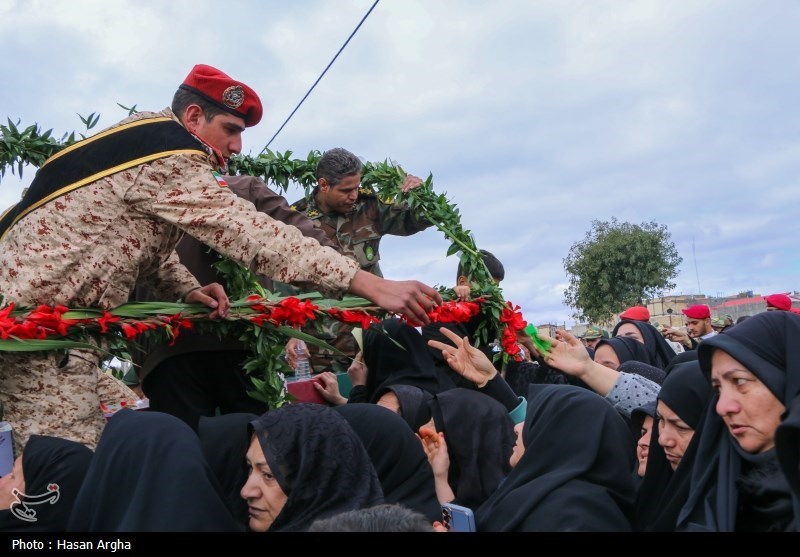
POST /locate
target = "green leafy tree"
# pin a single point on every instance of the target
(618, 265)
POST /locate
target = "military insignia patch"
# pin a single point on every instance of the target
(233, 96)
(312, 213)
(369, 253)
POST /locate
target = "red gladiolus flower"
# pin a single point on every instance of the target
(363, 319)
(129, 331)
(509, 343)
(256, 307)
(7, 323)
(24, 330)
(259, 319)
(50, 320)
(454, 312)
(512, 317)
(293, 312)
(104, 321)
(174, 323)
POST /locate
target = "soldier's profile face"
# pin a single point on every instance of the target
(342, 197)
(223, 132)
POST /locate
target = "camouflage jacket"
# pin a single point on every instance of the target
(358, 233)
(200, 262)
(90, 246)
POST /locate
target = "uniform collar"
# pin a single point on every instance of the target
(215, 153)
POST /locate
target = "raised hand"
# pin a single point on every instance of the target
(465, 359)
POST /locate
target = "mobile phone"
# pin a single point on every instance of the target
(6, 449)
(457, 518)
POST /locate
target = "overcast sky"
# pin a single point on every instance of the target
(535, 117)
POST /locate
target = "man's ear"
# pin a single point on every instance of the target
(323, 184)
(193, 117)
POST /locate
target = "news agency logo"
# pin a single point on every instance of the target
(21, 508)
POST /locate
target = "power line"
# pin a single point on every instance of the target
(363, 19)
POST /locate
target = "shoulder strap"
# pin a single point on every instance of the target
(99, 156)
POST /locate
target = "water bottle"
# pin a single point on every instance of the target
(302, 369)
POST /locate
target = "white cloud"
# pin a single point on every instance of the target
(535, 117)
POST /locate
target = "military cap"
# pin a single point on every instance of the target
(224, 92)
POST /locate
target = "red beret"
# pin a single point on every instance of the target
(700, 311)
(224, 92)
(637, 313)
(780, 301)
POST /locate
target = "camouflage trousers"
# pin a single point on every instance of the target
(340, 336)
(57, 394)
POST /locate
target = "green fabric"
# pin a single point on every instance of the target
(518, 414)
(344, 384)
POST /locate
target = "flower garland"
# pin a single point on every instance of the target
(59, 327)
(52, 326)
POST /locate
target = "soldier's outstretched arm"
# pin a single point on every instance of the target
(408, 297)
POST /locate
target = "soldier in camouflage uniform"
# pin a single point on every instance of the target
(355, 219)
(107, 212)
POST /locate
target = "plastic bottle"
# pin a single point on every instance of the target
(302, 369)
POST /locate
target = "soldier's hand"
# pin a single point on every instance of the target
(410, 182)
(407, 297)
(327, 386)
(211, 295)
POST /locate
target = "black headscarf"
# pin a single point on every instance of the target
(687, 392)
(47, 461)
(627, 349)
(319, 462)
(653, 373)
(407, 364)
(480, 438)
(659, 349)
(225, 440)
(577, 470)
(787, 445)
(414, 404)
(687, 356)
(404, 472)
(149, 474)
(723, 486)
(634, 357)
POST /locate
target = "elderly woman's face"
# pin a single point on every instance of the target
(749, 409)
(265, 498)
(674, 435)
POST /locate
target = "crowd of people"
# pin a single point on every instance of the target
(637, 429)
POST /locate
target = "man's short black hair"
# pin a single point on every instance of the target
(496, 268)
(337, 164)
(184, 98)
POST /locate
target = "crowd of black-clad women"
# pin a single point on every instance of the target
(548, 445)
